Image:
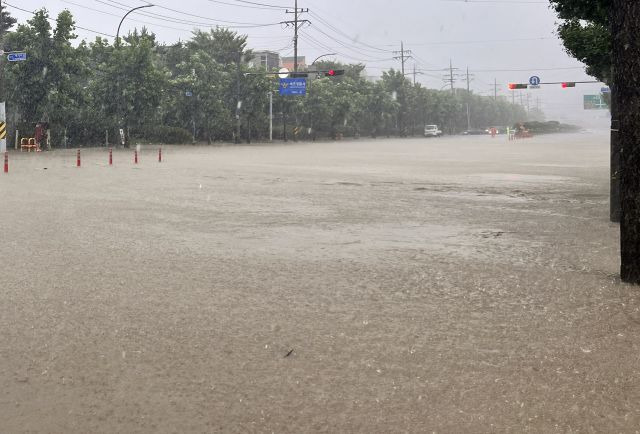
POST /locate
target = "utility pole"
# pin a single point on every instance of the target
(415, 73)
(468, 99)
(297, 24)
(495, 89)
(239, 105)
(452, 76)
(403, 55)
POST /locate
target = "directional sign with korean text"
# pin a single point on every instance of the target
(293, 86)
(17, 57)
(594, 102)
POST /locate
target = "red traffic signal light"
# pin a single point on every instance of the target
(334, 72)
(568, 84)
(513, 86)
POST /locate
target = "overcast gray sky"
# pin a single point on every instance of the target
(503, 40)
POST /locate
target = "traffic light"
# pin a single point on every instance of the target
(568, 84)
(514, 86)
(334, 72)
(299, 75)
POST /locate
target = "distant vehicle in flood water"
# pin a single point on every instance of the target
(432, 131)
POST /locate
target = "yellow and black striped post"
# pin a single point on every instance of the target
(3, 136)
(3, 124)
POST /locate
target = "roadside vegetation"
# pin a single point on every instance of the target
(189, 91)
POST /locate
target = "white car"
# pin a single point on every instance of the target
(432, 131)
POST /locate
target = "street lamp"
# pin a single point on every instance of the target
(125, 16)
(119, 96)
(324, 55)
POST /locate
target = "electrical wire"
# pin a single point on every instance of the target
(325, 47)
(202, 17)
(344, 45)
(165, 18)
(350, 38)
(244, 6)
(118, 16)
(54, 20)
(261, 4)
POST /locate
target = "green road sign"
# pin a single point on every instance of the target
(594, 102)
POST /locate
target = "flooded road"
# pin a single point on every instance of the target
(444, 285)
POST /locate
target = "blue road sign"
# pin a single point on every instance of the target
(534, 81)
(605, 90)
(16, 57)
(293, 86)
(188, 93)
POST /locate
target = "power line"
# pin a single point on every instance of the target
(200, 16)
(344, 45)
(54, 20)
(486, 41)
(355, 40)
(264, 8)
(496, 1)
(260, 4)
(165, 18)
(529, 69)
(118, 16)
(322, 46)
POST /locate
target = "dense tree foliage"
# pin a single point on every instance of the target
(585, 31)
(196, 90)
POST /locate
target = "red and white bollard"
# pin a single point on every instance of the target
(78, 161)
(110, 157)
(160, 155)
(6, 162)
(135, 156)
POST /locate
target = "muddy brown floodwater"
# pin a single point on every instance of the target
(447, 285)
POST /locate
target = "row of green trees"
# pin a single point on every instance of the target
(190, 91)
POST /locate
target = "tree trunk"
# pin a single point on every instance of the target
(626, 60)
(615, 207)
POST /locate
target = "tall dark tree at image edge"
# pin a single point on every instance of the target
(625, 25)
